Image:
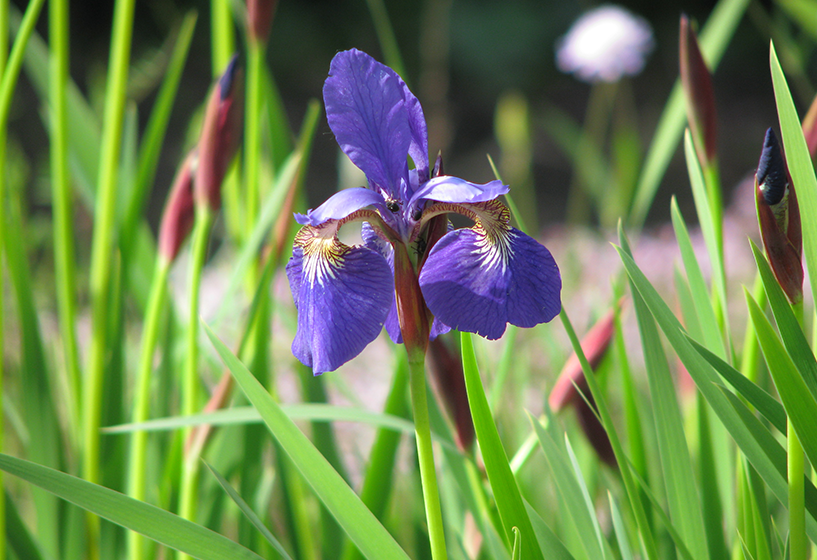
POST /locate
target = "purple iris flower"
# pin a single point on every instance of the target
(412, 264)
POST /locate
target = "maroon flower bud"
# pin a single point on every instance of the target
(446, 370)
(259, 18)
(778, 215)
(699, 95)
(571, 380)
(220, 135)
(179, 212)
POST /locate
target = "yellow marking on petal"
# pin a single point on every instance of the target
(323, 253)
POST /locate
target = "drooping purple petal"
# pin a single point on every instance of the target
(368, 112)
(342, 295)
(478, 282)
(340, 205)
(453, 189)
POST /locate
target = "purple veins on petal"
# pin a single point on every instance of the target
(342, 295)
(480, 279)
(367, 110)
(446, 188)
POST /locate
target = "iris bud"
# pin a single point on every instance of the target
(779, 218)
(220, 135)
(179, 212)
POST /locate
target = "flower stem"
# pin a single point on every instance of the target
(425, 454)
(141, 412)
(102, 247)
(190, 382)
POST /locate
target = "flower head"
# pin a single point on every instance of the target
(412, 265)
(604, 45)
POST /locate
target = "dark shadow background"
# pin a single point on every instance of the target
(460, 56)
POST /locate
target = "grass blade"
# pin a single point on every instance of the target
(153, 522)
(248, 512)
(679, 480)
(362, 527)
(506, 492)
(799, 163)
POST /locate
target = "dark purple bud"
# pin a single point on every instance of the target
(700, 97)
(771, 173)
(779, 218)
(446, 370)
(220, 135)
(259, 18)
(179, 212)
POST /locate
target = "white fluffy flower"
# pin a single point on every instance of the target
(605, 44)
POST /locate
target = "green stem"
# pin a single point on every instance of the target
(252, 132)
(190, 381)
(141, 410)
(798, 541)
(64, 262)
(102, 246)
(425, 455)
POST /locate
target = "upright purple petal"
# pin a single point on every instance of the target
(453, 189)
(367, 111)
(342, 295)
(340, 205)
(478, 282)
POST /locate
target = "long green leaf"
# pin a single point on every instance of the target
(573, 496)
(697, 285)
(248, 512)
(798, 401)
(766, 404)
(153, 522)
(676, 464)
(509, 501)
(767, 465)
(790, 330)
(799, 163)
(362, 527)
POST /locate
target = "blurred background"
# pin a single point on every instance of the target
(466, 60)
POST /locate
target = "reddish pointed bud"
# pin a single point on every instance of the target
(446, 370)
(259, 18)
(699, 94)
(411, 307)
(778, 215)
(810, 128)
(179, 213)
(594, 346)
(572, 380)
(220, 135)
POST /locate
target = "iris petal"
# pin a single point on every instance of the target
(477, 281)
(371, 118)
(340, 205)
(453, 189)
(342, 295)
